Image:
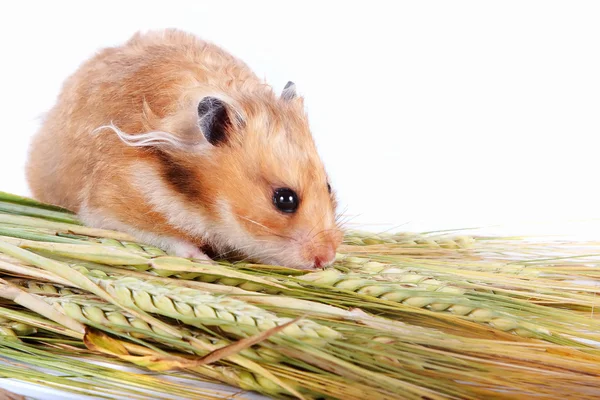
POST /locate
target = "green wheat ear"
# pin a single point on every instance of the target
(410, 315)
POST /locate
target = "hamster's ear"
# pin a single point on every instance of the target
(214, 120)
(289, 91)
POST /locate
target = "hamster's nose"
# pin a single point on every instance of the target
(324, 256)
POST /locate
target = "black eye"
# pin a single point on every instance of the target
(286, 200)
(328, 187)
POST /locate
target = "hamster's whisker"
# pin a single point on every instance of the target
(347, 219)
(316, 235)
(240, 248)
(249, 254)
(312, 229)
(254, 255)
(314, 226)
(343, 219)
(341, 214)
(271, 231)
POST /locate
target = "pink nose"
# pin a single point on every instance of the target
(324, 256)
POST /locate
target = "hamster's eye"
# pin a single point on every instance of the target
(286, 200)
(328, 187)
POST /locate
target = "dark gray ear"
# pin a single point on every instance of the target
(289, 91)
(214, 120)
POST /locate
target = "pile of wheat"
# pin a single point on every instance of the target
(412, 316)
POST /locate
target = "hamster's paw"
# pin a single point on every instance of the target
(184, 249)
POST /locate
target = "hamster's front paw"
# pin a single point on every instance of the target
(186, 249)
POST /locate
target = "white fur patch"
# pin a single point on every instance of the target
(163, 200)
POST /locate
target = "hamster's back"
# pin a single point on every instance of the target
(114, 86)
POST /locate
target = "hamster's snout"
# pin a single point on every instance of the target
(321, 253)
(324, 257)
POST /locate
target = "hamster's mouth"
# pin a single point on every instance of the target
(293, 256)
(294, 263)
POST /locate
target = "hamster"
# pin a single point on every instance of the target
(178, 143)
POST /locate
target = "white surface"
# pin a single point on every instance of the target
(433, 114)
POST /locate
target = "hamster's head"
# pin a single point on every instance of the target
(260, 182)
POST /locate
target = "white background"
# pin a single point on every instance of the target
(432, 114)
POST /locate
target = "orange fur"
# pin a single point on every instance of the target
(154, 83)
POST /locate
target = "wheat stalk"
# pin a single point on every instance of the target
(543, 284)
(199, 308)
(424, 296)
(377, 265)
(154, 305)
(86, 282)
(97, 313)
(425, 291)
(362, 238)
(72, 372)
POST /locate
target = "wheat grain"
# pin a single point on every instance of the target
(374, 264)
(361, 238)
(424, 296)
(15, 328)
(199, 308)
